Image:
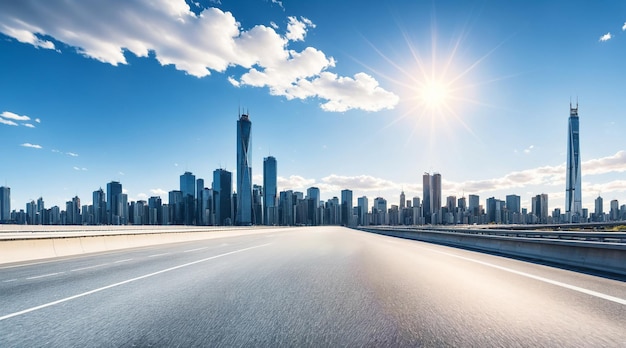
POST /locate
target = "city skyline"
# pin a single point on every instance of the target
(491, 117)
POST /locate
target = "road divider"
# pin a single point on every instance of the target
(596, 256)
(33, 248)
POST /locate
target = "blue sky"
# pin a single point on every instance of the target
(361, 95)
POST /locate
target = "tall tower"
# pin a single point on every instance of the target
(115, 210)
(346, 207)
(222, 192)
(5, 203)
(270, 191)
(573, 193)
(244, 171)
(426, 181)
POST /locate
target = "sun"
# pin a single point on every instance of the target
(434, 94)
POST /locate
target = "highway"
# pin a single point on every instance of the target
(305, 287)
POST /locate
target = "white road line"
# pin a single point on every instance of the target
(196, 249)
(32, 309)
(9, 280)
(45, 275)
(542, 279)
(89, 267)
(157, 255)
(120, 261)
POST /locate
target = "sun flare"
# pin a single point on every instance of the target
(434, 94)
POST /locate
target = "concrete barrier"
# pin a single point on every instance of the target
(597, 256)
(28, 249)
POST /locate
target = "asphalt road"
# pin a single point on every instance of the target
(316, 287)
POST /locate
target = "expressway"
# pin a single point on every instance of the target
(311, 287)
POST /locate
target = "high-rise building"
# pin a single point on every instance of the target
(244, 171)
(176, 203)
(573, 193)
(540, 208)
(474, 205)
(436, 197)
(427, 200)
(599, 209)
(314, 194)
(363, 206)
(347, 206)
(513, 204)
(99, 207)
(115, 210)
(5, 204)
(188, 189)
(402, 200)
(431, 186)
(223, 192)
(270, 191)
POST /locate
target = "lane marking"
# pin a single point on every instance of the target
(89, 267)
(542, 279)
(196, 249)
(9, 280)
(157, 255)
(120, 261)
(32, 309)
(45, 275)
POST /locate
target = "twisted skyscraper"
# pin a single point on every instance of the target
(244, 171)
(573, 194)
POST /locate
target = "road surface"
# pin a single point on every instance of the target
(299, 287)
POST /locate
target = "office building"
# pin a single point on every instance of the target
(347, 206)
(188, 190)
(222, 197)
(114, 203)
(99, 207)
(5, 204)
(244, 171)
(270, 191)
(573, 176)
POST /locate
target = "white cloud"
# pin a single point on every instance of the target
(279, 3)
(606, 37)
(614, 163)
(28, 125)
(613, 186)
(141, 197)
(7, 122)
(13, 116)
(274, 25)
(196, 44)
(80, 169)
(529, 149)
(56, 151)
(34, 146)
(296, 29)
(38, 120)
(158, 191)
(294, 182)
(358, 183)
(624, 27)
(71, 154)
(547, 175)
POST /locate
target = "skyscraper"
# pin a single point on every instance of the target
(223, 191)
(244, 171)
(188, 189)
(115, 210)
(435, 197)
(347, 207)
(5, 203)
(573, 193)
(426, 202)
(270, 191)
(99, 208)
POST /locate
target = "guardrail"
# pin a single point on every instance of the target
(559, 248)
(608, 237)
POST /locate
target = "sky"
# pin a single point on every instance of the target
(360, 95)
